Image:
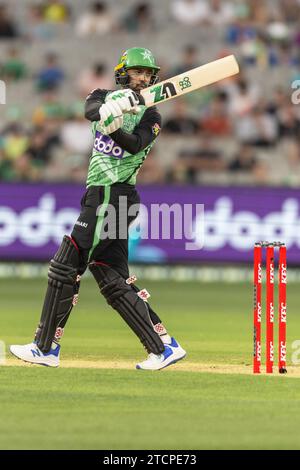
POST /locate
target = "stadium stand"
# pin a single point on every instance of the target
(252, 114)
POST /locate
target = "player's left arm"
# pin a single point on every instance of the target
(93, 102)
(144, 133)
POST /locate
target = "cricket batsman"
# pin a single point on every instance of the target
(124, 132)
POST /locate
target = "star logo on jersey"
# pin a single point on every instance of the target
(156, 129)
(147, 55)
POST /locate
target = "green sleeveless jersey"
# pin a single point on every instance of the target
(110, 163)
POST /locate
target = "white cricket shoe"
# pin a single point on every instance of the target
(173, 352)
(31, 353)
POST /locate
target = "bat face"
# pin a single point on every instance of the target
(190, 80)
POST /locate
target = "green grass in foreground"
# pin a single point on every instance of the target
(126, 409)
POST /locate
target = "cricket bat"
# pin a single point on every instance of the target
(190, 80)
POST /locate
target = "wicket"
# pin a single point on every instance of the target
(270, 281)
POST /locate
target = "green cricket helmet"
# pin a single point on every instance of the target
(135, 57)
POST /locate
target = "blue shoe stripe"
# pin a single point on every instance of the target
(167, 352)
(173, 362)
(174, 343)
(53, 352)
(35, 352)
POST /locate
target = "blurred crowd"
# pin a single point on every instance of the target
(231, 129)
(244, 18)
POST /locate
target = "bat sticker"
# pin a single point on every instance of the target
(163, 91)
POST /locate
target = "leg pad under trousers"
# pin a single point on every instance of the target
(128, 304)
(62, 291)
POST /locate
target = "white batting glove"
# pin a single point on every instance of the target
(111, 118)
(126, 99)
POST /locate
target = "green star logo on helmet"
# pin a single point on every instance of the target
(147, 55)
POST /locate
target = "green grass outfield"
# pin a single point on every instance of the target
(97, 400)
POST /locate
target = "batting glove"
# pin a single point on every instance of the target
(111, 118)
(126, 99)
